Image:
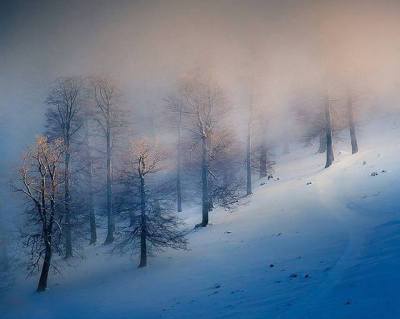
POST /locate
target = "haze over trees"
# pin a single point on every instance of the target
(191, 115)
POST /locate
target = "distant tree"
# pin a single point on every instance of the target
(40, 182)
(205, 105)
(351, 124)
(109, 117)
(64, 120)
(176, 106)
(328, 131)
(154, 227)
(225, 169)
(85, 180)
(248, 149)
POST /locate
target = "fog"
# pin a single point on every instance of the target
(278, 51)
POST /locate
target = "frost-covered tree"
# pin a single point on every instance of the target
(206, 106)
(177, 108)
(328, 132)
(351, 123)
(153, 226)
(109, 117)
(64, 116)
(40, 180)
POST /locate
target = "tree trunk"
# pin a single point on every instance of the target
(110, 217)
(179, 167)
(143, 231)
(329, 143)
(322, 142)
(353, 137)
(263, 160)
(204, 181)
(248, 163)
(42, 285)
(92, 216)
(67, 202)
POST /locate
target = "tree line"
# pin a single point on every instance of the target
(87, 172)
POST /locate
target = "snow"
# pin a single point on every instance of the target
(329, 249)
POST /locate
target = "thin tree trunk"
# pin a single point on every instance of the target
(263, 160)
(204, 181)
(92, 216)
(110, 217)
(248, 163)
(179, 167)
(143, 231)
(67, 202)
(329, 143)
(353, 137)
(322, 142)
(48, 232)
(42, 285)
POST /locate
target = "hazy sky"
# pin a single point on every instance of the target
(278, 47)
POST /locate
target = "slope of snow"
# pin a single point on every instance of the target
(329, 249)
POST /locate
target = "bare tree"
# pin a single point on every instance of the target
(88, 163)
(64, 120)
(176, 106)
(39, 182)
(328, 131)
(205, 104)
(153, 225)
(109, 117)
(248, 149)
(352, 127)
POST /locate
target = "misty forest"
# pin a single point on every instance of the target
(199, 159)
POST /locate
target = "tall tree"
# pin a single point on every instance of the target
(176, 106)
(263, 158)
(205, 104)
(328, 131)
(248, 150)
(88, 172)
(64, 120)
(109, 117)
(153, 225)
(352, 127)
(39, 182)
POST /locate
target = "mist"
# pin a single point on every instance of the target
(278, 62)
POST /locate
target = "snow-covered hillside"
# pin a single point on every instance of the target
(317, 243)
